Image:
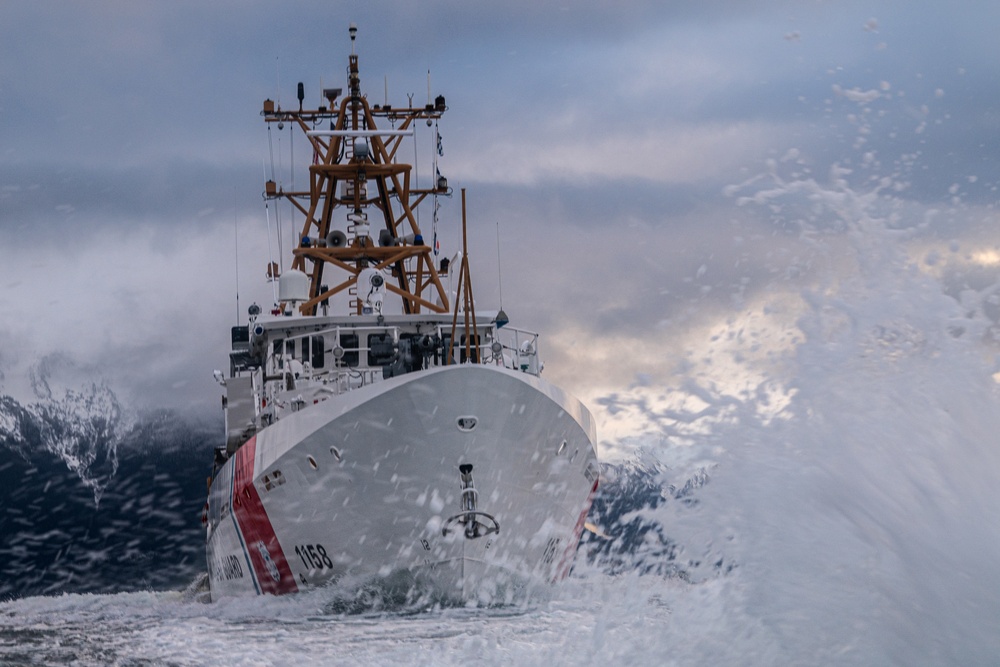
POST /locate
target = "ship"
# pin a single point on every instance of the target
(380, 428)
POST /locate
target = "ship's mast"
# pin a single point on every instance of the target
(351, 153)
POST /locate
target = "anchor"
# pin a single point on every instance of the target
(470, 515)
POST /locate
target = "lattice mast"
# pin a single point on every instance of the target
(355, 171)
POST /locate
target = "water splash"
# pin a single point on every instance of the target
(835, 505)
(859, 517)
(628, 532)
(82, 425)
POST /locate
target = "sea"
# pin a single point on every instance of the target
(821, 486)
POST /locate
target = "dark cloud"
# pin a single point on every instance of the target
(601, 136)
(43, 199)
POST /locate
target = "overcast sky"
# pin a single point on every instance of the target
(617, 145)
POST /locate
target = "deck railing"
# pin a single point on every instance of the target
(292, 381)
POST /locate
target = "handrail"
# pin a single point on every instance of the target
(520, 345)
(513, 348)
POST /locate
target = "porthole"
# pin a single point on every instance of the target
(312, 462)
(562, 448)
(337, 454)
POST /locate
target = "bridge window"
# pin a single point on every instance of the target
(381, 349)
(317, 357)
(473, 349)
(349, 343)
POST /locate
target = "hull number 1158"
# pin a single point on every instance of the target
(314, 556)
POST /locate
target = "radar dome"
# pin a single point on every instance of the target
(293, 286)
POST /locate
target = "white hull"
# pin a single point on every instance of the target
(362, 486)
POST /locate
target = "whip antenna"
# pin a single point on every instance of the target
(502, 318)
(499, 271)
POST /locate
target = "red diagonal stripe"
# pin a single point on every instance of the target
(268, 560)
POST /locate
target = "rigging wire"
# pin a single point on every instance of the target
(270, 150)
(416, 164)
(278, 182)
(291, 160)
(277, 209)
(436, 151)
(270, 252)
(277, 220)
(236, 251)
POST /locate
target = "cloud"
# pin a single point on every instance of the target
(150, 318)
(47, 200)
(668, 154)
(600, 135)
